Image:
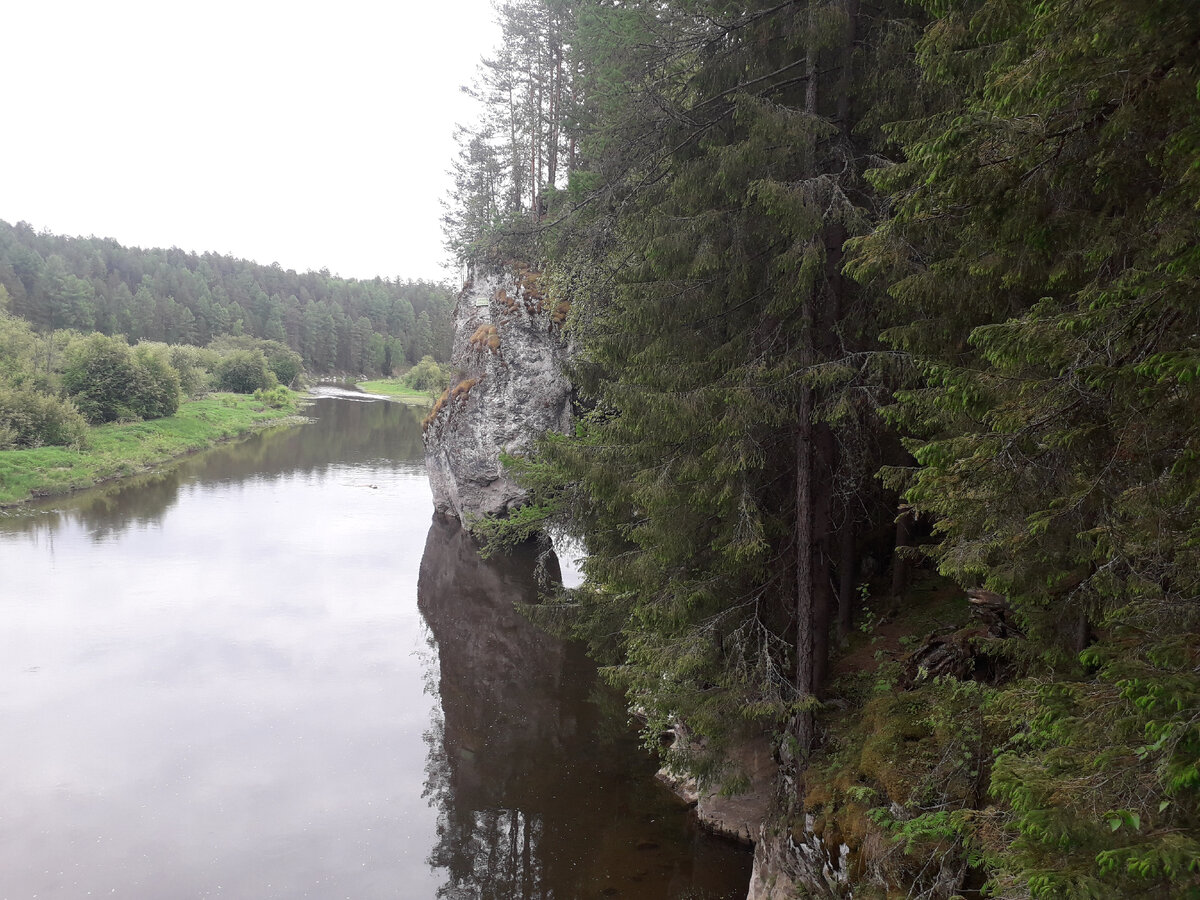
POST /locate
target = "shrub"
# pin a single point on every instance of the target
(426, 375)
(108, 382)
(244, 372)
(32, 419)
(194, 365)
(158, 382)
(284, 363)
(277, 397)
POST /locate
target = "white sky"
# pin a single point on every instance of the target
(308, 134)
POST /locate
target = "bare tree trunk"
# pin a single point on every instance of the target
(1080, 632)
(533, 159)
(824, 462)
(555, 111)
(806, 599)
(514, 149)
(810, 67)
(899, 559)
(804, 569)
(846, 572)
(538, 147)
(847, 67)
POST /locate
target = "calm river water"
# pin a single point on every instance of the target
(270, 672)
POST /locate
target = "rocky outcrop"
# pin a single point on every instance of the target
(740, 815)
(507, 388)
(797, 863)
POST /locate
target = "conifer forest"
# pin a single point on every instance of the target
(68, 284)
(886, 330)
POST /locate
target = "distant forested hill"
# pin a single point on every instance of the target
(341, 324)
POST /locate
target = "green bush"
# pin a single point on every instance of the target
(194, 365)
(284, 363)
(277, 397)
(427, 375)
(158, 390)
(109, 382)
(244, 372)
(32, 419)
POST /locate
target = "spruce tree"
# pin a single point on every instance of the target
(1043, 260)
(719, 343)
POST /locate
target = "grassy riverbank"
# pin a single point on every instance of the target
(119, 450)
(394, 389)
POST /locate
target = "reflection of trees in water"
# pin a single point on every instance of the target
(343, 432)
(487, 854)
(501, 682)
(537, 795)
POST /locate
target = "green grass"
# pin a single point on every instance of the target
(394, 390)
(116, 451)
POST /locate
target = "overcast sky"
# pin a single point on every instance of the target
(308, 134)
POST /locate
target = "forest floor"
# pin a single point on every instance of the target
(394, 390)
(120, 450)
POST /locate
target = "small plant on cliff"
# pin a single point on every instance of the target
(486, 336)
(437, 408)
(463, 388)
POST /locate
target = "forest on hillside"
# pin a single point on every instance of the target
(887, 330)
(175, 297)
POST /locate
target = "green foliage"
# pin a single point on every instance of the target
(109, 382)
(427, 375)
(704, 307)
(286, 365)
(159, 393)
(173, 297)
(1042, 259)
(18, 350)
(278, 397)
(122, 449)
(31, 419)
(1024, 245)
(243, 372)
(194, 365)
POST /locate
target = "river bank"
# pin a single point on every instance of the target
(394, 389)
(121, 450)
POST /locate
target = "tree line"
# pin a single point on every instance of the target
(856, 285)
(53, 385)
(173, 296)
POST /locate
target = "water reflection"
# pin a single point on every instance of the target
(216, 681)
(540, 791)
(221, 696)
(350, 434)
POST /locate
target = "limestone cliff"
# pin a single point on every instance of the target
(507, 388)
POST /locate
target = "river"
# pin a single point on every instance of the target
(270, 671)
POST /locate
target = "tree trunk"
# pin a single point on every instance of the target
(810, 67)
(514, 149)
(846, 76)
(899, 560)
(846, 573)
(824, 600)
(803, 727)
(533, 160)
(555, 104)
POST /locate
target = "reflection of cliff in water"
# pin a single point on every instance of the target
(343, 432)
(538, 794)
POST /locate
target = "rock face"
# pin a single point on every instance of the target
(797, 863)
(739, 816)
(507, 389)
